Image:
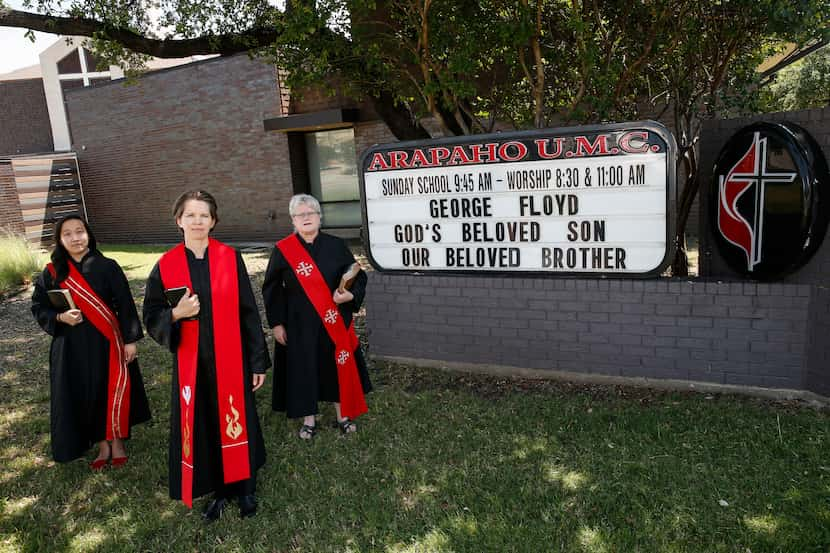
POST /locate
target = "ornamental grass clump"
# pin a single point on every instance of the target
(18, 261)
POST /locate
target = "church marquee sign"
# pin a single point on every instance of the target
(574, 201)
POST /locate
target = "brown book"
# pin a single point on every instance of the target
(61, 299)
(348, 277)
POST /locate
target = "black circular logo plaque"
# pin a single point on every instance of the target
(771, 199)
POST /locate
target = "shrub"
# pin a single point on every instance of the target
(18, 261)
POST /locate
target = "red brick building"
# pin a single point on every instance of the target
(39, 176)
(203, 125)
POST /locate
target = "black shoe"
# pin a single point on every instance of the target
(213, 510)
(247, 506)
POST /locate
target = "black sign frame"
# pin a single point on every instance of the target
(658, 129)
(811, 176)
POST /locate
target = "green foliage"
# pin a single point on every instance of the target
(18, 261)
(467, 63)
(803, 85)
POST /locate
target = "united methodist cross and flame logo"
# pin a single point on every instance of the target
(771, 200)
(750, 175)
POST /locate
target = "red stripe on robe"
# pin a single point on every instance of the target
(227, 347)
(352, 401)
(99, 314)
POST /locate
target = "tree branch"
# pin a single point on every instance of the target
(225, 44)
(791, 58)
(397, 118)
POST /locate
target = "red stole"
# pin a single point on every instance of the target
(97, 312)
(227, 347)
(352, 402)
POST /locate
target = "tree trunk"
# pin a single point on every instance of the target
(398, 118)
(680, 264)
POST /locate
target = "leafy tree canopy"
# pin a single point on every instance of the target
(467, 64)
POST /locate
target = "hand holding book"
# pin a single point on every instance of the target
(61, 300)
(174, 295)
(341, 293)
(185, 305)
(349, 276)
(71, 317)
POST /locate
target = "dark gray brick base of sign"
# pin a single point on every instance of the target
(730, 333)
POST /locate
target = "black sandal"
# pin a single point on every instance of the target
(346, 426)
(307, 432)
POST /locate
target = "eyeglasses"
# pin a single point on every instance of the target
(305, 214)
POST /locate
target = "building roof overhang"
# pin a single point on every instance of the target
(315, 121)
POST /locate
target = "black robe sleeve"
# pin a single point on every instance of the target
(45, 314)
(125, 305)
(253, 339)
(158, 315)
(273, 292)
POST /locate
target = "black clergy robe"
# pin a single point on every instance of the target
(79, 359)
(207, 445)
(304, 370)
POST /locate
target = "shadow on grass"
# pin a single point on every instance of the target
(444, 470)
(442, 462)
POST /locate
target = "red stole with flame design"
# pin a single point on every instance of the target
(227, 347)
(97, 312)
(352, 402)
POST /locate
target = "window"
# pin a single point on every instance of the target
(79, 68)
(332, 172)
(71, 63)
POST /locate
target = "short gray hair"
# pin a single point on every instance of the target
(299, 199)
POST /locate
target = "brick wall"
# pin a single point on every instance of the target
(310, 100)
(714, 136)
(369, 134)
(25, 127)
(10, 216)
(197, 126)
(728, 333)
(818, 346)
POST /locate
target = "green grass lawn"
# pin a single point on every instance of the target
(442, 462)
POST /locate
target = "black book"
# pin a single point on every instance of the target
(61, 299)
(174, 295)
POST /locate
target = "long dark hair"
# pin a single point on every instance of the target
(60, 257)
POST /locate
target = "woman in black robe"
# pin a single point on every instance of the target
(79, 357)
(305, 372)
(196, 214)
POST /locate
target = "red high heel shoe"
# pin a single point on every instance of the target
(118, 462)
(98, 464)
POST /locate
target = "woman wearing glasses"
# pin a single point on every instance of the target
(317, 356)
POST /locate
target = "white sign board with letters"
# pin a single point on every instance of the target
(584, 200)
